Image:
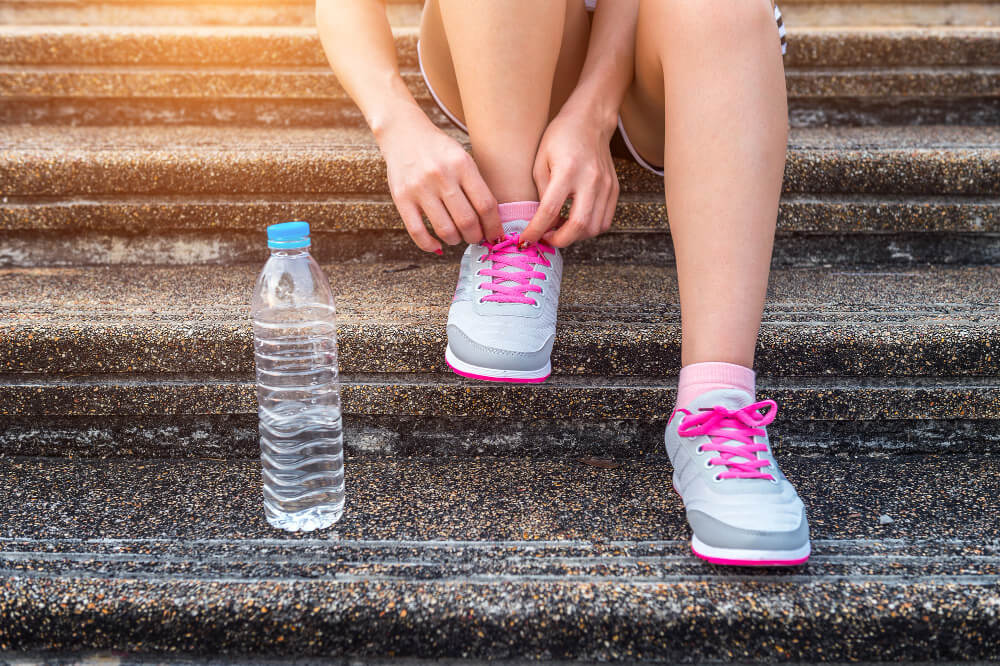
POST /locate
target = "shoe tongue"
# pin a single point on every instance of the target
(515, 226)
(729, 398)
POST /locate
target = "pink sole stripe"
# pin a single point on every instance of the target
(751, 563)
(509, 380)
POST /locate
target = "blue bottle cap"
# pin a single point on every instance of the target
(288, 235)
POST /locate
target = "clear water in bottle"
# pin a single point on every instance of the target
(298, 388)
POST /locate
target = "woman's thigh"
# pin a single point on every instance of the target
(642, 112)
(643, 109)
(436, 57)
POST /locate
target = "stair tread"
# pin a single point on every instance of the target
(48, 160)
(415, 292)
(920, 321)
(483, 558)
(938, 499)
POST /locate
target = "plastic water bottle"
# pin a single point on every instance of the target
(298, 389)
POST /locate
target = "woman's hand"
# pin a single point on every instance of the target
(431, 174)
(574, 160)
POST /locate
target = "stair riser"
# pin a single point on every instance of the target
(792, 249)
(301, 95)
(300, 48)
(803, 112)
(303, 14)
(540, 620)
(124, 214)
(235, 436)
(593, 400)
(968, 171)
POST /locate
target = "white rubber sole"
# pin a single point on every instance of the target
(492, 374)
(750, 558)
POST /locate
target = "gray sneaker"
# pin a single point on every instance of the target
(741, 508)
(502, 321)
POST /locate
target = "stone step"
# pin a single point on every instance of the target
(887, 360)
(200, 416)
(851, 231)
(181, 194)
(221, 12)
(488, 558)
(267, 47)
(927, 321)
(279, 75)
(52, 160)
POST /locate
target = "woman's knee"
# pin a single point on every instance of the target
(711, 17)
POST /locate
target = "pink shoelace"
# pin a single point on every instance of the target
(726, 425)
(506, 253)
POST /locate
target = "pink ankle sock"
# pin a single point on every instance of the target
(517, 210)
(698, 378)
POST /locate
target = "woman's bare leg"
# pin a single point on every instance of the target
(504, 67)
(713, 71)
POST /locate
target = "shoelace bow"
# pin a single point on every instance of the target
(726, 425)
(508, 253)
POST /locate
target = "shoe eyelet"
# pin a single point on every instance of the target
(708, 464)
(717, 478)
(535, 303)
(699, 451)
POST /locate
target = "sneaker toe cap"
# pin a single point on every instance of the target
(497, 355)
(754, 533)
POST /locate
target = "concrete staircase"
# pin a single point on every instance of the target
(143, 148)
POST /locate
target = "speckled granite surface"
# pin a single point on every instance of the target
(893, 251)
(926, 321)
(48, 160)
(476, 559)
(235, 436)
(279, 75)
(451, 397)
(640, 212)
(318, 83)
(299, 13)
(261, 46)
(185, 13)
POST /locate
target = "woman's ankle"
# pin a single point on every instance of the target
(698, 378)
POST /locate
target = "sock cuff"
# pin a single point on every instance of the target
(517, 210)
(715, 372)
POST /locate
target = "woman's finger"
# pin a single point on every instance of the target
(541, 174)
(463, 215)
(611, 206)
(417, 229)
(440, 220)
(483, 202)
(553, 198)
(581, 214)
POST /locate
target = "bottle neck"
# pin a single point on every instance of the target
(289, 252)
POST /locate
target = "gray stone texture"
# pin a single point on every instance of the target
(531, 559)
(878, 322)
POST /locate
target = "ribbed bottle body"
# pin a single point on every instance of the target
(298, 394)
